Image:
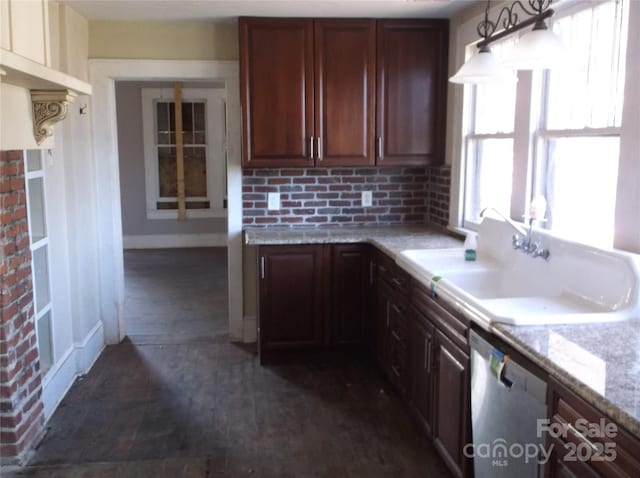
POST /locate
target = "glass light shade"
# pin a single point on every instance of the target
(483, 68)
(538, 49)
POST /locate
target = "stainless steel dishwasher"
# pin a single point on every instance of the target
(504, 416)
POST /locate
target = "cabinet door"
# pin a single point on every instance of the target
(276, 82)
(349, 286)
(451, 406)
(412, 76)
(344, 92)
(291, 291)
(421, 365)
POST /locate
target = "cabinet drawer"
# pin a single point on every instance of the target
(456, 329)
(384, 267)
(606, 447)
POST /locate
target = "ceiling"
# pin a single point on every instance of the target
(220, 10)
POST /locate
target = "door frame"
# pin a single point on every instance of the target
(103, 74)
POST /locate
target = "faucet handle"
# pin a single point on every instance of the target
(538, 250)
(516, 241)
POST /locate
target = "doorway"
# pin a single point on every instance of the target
(104, 76)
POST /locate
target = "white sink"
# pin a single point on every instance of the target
(578, 284)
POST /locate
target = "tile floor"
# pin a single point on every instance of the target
(176, 399)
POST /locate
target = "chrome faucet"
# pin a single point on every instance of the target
(522, 240)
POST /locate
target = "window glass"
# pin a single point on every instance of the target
(589, 93)
(34, 160)
(37, 222)
(489, 176)
(581, 141)
(581, 183)
(41, 277)
(489, 155)
(45, 348)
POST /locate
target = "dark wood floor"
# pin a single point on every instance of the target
(177, 399)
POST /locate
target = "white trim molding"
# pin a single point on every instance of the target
(250, 332)
(103, 74)
(213, 100)
(76, 361)
(166, 241)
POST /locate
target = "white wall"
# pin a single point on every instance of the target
(25, 29)
(77, 329)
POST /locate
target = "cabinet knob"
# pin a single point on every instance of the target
(319, 148)
(311, 147)
(380, 147)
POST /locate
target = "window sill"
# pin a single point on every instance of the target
(190, 214)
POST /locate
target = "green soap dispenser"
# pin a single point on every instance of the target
(470, 246)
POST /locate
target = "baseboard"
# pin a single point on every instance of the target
(88, 351)
(249, 329)
(57, 382)
(165, 241)
(77, 360)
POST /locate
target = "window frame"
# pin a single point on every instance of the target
(530, 133)
(41, 243)
(216, 155)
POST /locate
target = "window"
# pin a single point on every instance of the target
(567, 140)
(203, 130)
(39, 243)
(579, 137)
(489, 145)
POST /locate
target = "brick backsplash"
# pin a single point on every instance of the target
(317, 197)
(439, 195)
(21, 408)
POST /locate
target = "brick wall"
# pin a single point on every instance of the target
(21, 410)
(317, 197)
(439, 195)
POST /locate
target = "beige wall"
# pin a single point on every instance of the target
(69, 33)
(163, 40)
(24, 26)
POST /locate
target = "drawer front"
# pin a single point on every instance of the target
(589, 437)
(454, 328)
(384, 267)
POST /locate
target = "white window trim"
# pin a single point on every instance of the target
(627, 230)
(216, 152)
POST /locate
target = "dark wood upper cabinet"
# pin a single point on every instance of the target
(411, 82)
(291, 297)
(276, 83)
(344, 92)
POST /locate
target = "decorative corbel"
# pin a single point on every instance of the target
(49, 107)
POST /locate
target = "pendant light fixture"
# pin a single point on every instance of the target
(537, 49)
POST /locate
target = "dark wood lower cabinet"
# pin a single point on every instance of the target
(421, 335)
(451, 421)
(312, 296)
(291, 294)
(349, 293)
(608, 452)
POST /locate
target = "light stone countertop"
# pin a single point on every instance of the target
(599, 362)
(389, 239)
